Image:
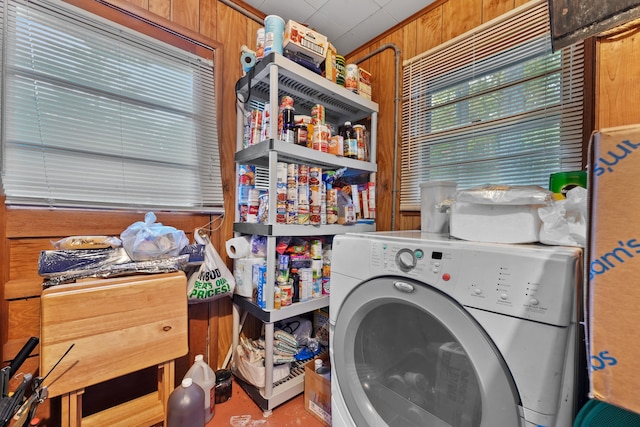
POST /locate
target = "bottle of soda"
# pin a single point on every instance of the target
(349, 140)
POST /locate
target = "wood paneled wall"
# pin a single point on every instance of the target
(618, 74)
(25, 232)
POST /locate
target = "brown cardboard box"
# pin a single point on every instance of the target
(317, 391)
(614, 267)
(364, 83)
(300, 39)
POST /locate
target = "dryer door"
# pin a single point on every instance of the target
(405, 354)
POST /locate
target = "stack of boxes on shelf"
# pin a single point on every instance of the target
(315, 52)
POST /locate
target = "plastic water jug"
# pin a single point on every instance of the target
(203, 375)
(184, 407)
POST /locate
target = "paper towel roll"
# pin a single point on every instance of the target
(243, 273)
(248, 61)
(238, 247)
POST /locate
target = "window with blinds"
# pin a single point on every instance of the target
(97, 115)
(493, 106)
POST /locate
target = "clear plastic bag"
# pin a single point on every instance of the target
(150, 240)
(565, 221)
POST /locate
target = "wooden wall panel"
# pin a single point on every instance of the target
(494, 8)
(429, 34)
(162, 8)
(23, 323)
(410, 40)
(618, 92)
(186, 13)
(460, 16)
(208, 18)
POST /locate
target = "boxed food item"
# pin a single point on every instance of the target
(317, 391)
(330, 66)
(305, 42)
(498, 213)
(364, 83)
(614, 267)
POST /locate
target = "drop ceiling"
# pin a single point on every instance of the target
(348, 24)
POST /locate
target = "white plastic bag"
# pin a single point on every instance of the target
(253, 371)
(150, 240)
(565, 221)
(213, 279)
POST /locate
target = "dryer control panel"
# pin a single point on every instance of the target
(526, 281)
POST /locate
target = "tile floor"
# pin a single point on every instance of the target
(242, 411)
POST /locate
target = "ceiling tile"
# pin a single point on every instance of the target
(325, 26)
(348, 24)
(296, 10)
(401, 10)
(316, 4)
(349, 13)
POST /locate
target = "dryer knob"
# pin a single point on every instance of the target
(534, 301)
(405, 259)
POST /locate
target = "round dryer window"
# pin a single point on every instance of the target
(406, 354)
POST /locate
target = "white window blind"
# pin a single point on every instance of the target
(97, 115)
(493, 106)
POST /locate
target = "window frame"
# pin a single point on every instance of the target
(158, 28)
(410, 200)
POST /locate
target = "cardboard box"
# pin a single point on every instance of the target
(364, 83)
(614, 267)
(317, 391)
(330, 66)
(305, 42)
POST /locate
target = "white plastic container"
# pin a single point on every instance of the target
(434, 219)
(202, 374)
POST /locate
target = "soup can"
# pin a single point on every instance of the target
(351, 77)
(318, 115)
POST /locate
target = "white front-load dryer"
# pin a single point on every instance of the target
(432, 331)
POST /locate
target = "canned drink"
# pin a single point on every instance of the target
(351, 77)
